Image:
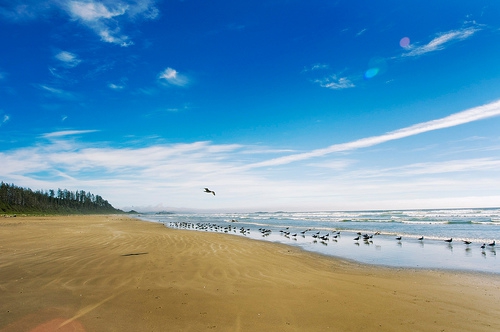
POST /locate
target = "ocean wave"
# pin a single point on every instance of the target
(422, 222)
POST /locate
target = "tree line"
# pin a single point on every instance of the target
(14, 199)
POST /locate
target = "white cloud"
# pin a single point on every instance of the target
(470, 115)
(68, 59)
(67, 132)
(92, 11)
(432, 168)
(86, 9)
(144, 8)
(335, 164)
(106, 18)
(317, 66)
(175, 174)
(54, 72)
(27, 10)
(5, 118)
(362, 31)
(463, 165)
(172, 76)
(113, 37)
(99, 18)
(175, 169)
(57, 92)
(335, 83)
(439, 42)
(115, 86)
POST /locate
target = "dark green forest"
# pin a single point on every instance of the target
(14, 199)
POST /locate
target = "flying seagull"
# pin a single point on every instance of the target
(209, 191)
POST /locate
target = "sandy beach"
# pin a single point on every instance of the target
(112, 273)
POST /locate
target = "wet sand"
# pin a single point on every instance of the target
(111, 273)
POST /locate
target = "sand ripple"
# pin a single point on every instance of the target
(110, 273)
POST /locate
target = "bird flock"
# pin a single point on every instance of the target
(209, 227)
(323, 237)
(450, 240)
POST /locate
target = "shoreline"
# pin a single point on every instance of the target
(353, 260)
(114, 272)
(378, 250)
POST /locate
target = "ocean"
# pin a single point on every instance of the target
(334, 233)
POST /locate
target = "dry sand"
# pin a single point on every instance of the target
(111, 273)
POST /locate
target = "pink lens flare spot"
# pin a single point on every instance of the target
(404, 42)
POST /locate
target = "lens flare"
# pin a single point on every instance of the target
(404, 42)
(372, 72)
(376, 67)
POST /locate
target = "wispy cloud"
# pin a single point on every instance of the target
(143, 8)
(120, 85)
(176, 173)
(27, 10)
(172, 76)
(173, 170)
(440, 41)
(67, 133)
(362, 31)
(105, 17)
(462, 165)
(317, 66)
(181, 108)
(93, 10)
(5, 118)
(98, 17)
(60, 93)
(335, 164)
(470, 115)
(68, 59)
(54, 72)
(335, 83)
(432, 168)
(116, 86)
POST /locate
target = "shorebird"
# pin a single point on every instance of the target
(467, 242)
(492, 244)
(449, 240)
(421, 238)
(208, 191)
(356, 238)
(483, 246)
(399, 238)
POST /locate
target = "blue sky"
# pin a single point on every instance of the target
(275, 105)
